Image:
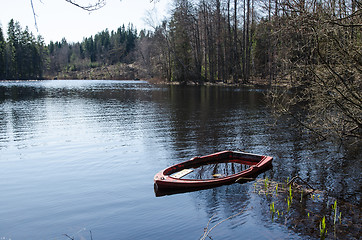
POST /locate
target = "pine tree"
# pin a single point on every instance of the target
(2, 54)
(11, 51)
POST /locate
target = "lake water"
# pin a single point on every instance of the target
(78, 158)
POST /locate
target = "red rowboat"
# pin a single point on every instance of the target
(173, 178)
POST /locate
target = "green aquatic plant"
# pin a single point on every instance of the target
(272, 210)
(322, 228)
(276, 189)
(272, 207)
(334, 207)
(266, 183)
(290, 193)
(289, 203)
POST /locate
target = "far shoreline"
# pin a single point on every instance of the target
(157, 81)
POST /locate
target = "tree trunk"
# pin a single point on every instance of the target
(220, 62)
(247, 45)
(236, 55)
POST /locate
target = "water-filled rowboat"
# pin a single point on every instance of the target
(174, 177)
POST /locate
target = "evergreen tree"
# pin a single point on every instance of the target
(90, 48)
(2, 54)
(23, 54)
(11, 50)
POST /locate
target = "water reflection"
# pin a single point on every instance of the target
(81, 155)
(209, 119)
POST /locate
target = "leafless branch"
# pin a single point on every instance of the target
(90, 7)
(344, 25)
(34, 14)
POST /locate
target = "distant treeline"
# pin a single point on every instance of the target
(105, 48)
(23, 56)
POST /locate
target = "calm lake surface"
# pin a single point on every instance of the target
(80, 156)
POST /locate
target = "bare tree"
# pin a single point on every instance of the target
(325, 53)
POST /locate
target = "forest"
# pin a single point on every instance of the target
(311, 46)
(206, 41)
(24, 56)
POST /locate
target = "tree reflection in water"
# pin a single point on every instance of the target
(216, 170)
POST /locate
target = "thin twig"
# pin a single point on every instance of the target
(297, 177)
(35, 16)
(244, 179)
(72, 238)
(208, 232)
(91, 7)
(208, 223)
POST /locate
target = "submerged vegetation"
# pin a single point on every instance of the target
(302, 209)
(309, 211)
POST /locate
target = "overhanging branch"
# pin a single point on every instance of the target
(90, 7)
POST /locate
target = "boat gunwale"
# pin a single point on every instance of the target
(209, 179)
(165, 179)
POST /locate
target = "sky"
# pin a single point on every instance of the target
(57, 19)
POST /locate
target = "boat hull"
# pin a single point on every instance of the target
(258, 163)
